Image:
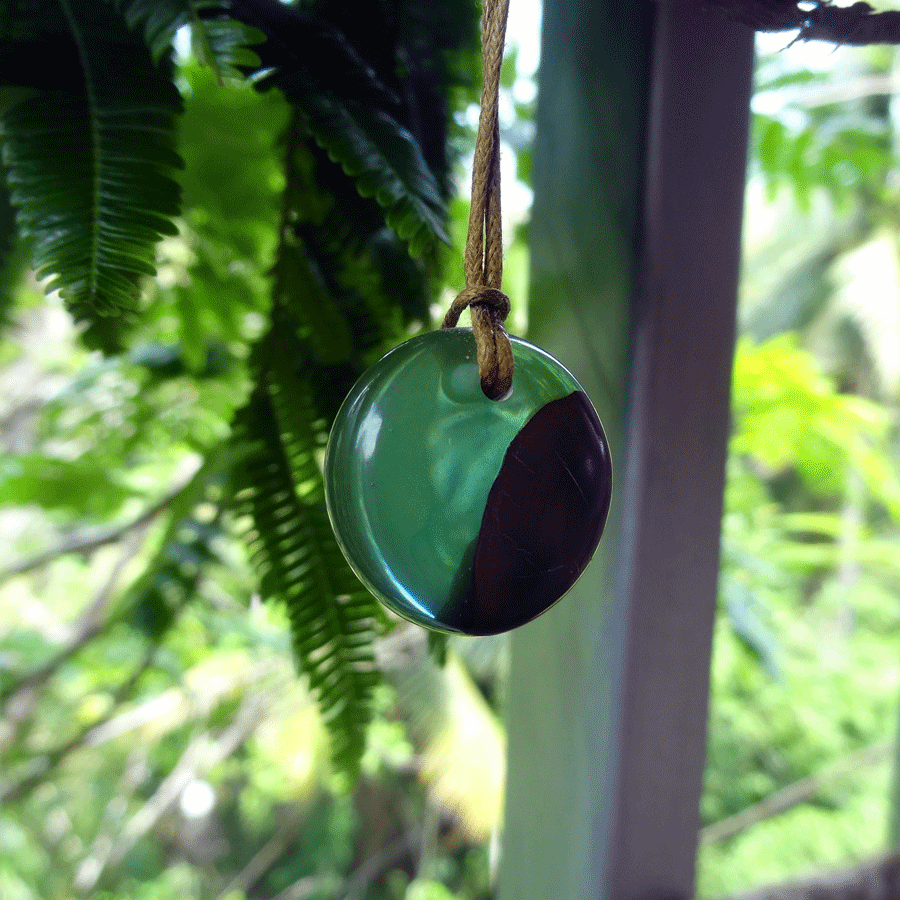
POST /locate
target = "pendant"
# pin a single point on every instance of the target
(463, 514)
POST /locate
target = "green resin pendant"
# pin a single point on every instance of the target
(464, 514)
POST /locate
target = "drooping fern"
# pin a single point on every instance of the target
(368, 181)
(359, 126)
(328, 312)
(89, 165)
(279, 486)
(159, 20)
(90, 158)
(298, 283)
(386, 163)
(344, 286)
(221, 42)
(344, 279)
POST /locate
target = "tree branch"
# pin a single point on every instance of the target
(94, 620)
(310, 886)
(877, 879)
(856, 25)
(174, 707)
(265, 857)
(88, 542)
(202, 754)
(23, 695)
(794, 794)
(50, 760)
(359, 882)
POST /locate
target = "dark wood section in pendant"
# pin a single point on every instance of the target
(544, 517)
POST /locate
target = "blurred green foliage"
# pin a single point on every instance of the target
(300, 242)
(805, 678)
(155, 742)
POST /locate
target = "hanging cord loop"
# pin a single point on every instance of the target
(483, 261)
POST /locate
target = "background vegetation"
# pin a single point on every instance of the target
(156, 741)
(805, 670)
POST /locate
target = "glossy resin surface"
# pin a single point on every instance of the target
(458, 512)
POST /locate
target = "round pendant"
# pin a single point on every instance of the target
(463, 514)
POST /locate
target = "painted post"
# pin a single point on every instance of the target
(638, 179)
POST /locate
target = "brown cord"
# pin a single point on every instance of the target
(483, 261)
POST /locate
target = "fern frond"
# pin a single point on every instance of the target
(333, 619)
(88, 166)
(158, 19)
(381, 157)
(345, 279)
(304, 50)
(222, 43)
(386, 163)
(340, 69)
(298, 285)
(225, 45)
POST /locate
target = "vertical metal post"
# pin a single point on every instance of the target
(589, 174)
(677, 439)
(636, 220)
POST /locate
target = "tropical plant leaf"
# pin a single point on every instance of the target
(375, 90)
(386, 163)
(224, 45)
(89, 163)
(458, 739)
(851, 152)
(279, 486)
(298, 283)
(158, 19)
(295, 279)
(306, 51)
(220, 42)
(345, 280)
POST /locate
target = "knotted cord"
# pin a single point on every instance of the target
(483, 260)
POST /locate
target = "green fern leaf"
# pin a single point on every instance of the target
(159, 20)
(345, 279)
(297, 282)
(333, 619)
(386, 163)
(226, 45)
(357, 113)
(88, 166)
(223, 43)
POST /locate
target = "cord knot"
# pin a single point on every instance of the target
(477, 295)
(488, 308)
